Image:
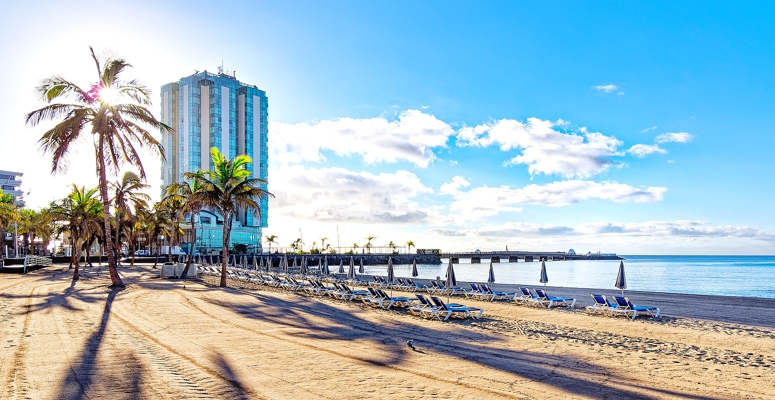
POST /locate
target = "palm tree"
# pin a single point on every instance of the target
(157, 223)
(115, 127)
(126, 194)
(26, 227)
(226, 189)
(184, 193)
(134, 230)
(173, 206)
(296, 244)
(82, 212)
(355, 246)
(34, 224)
(271, 239)
(8, 214)
(410, 244)
(368, 243)
(392, 246)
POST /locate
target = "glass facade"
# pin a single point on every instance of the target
(216, 110)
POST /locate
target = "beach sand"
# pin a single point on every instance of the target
(159, 339)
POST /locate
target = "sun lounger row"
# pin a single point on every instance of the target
(619, 305)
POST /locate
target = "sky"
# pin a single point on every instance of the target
(613, 126)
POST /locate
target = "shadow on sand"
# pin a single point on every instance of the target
(582, 379)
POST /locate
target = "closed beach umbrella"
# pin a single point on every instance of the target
(351, 271)
(325, 266)
(414, 268)
(451, 281)
(255, 263)
(621, 281)
(361, 270)
(491, 275)
(303, 266)
(544, 277)
(341, 266)
(285, 263)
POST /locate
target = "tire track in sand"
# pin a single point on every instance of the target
(193, 378)
(17, 378)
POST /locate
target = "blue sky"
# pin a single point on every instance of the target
(628, 127)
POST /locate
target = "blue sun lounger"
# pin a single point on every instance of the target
(600, 305)
(552, 301)
(493, 295)
(448, 310)
(628, 308)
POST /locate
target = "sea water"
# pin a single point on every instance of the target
(715, 275)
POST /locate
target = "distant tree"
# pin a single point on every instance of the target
(81, 212)
(368, 243)
(8, 215)
(127, 196)
(184, 194)
(271, 239)
(410, 244)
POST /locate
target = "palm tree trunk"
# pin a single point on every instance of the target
(72, 252)
(87, 260)
(225, 249)
(191, 246)
(117, 244)
(2, 246)
(114, 278)
(158, 250)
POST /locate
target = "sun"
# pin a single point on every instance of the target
(109, 95)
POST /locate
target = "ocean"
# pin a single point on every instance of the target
(752, 276)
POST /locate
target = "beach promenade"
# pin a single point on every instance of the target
(159, 339)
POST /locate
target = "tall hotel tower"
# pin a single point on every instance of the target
(208, 110)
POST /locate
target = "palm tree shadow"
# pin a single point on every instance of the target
(225, 370)
(82, 373)
(321, 321)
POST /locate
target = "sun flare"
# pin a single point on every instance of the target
(109, 95)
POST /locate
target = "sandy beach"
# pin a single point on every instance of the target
(169, 339)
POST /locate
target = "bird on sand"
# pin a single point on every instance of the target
(410, 343)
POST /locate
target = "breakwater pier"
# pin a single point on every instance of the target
(522, 256)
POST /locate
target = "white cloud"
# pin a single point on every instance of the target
(508, 230)
(674, 137)
(410, 138)
(642, 150)
(610, 88)
(341, 195)
(695, 229)
(652, 229)
(487, 201)
(545, 149)
(454, 186)
(648, 129)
